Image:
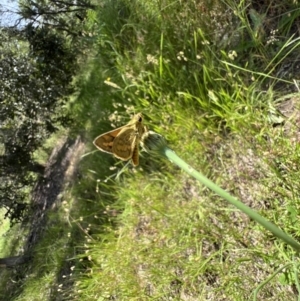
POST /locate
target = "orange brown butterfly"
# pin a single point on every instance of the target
(123, 142)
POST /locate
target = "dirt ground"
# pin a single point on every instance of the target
(60, 171)
(61, 168)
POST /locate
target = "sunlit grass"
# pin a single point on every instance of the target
(5, 224)
(42, 154)
(205, 84)
(173, 238)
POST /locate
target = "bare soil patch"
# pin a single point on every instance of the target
(60, 171)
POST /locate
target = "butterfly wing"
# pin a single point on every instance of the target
(105, 141)
(124, 144)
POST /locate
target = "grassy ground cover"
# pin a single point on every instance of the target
(207, 77)
(219, 81)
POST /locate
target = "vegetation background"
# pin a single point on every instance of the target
(219, 80)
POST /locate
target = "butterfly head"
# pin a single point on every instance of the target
(139, 117)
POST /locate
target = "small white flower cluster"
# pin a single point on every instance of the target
(151, 59)
(232, 54)
(272, 38)
(180, 56)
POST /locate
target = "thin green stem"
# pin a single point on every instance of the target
(250, 212)
(155, 144)
(268, 280)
